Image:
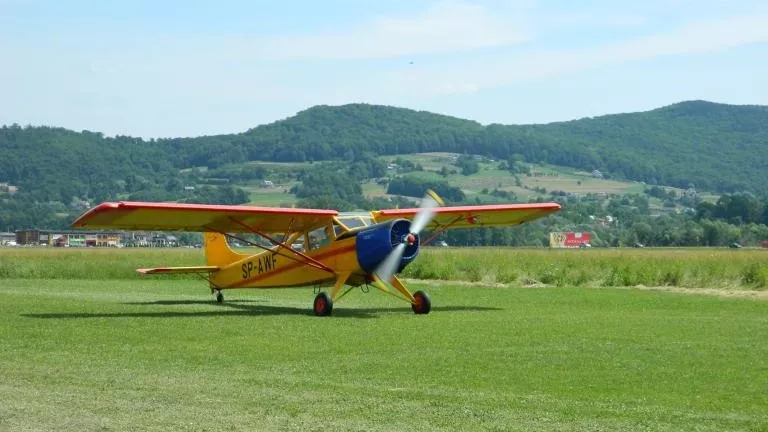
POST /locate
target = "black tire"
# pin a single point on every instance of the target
(423, 305)
(323, 305)
(219, 297)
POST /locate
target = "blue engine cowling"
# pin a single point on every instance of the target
(375, 242)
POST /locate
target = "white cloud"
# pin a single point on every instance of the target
(516, 66)
(446, 27)
(696, 38)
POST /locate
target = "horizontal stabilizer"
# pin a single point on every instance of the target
(169, 270)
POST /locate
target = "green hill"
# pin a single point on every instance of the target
(713, 146)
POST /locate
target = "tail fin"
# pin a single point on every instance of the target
(217, 250)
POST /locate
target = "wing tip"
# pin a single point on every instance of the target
(82, 220)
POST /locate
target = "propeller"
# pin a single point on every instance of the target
(389, 266)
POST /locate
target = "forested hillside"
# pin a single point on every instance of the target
(711, 146)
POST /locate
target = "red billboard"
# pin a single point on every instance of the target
(569, 239)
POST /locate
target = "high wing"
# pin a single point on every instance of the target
(475, 216)
(146, 216)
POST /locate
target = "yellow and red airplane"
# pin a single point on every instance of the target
(308, 246)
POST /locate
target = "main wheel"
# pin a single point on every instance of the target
(323, 304)
(219, 296)
(422, 305)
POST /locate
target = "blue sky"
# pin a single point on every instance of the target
(188, 68)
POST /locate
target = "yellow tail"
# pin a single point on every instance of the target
(217, 250)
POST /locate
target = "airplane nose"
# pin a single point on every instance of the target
(392, 239)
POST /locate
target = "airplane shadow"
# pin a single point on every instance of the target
(242, 308)
(190, 302)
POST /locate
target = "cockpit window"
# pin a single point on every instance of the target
(320, 237)
(353, 222)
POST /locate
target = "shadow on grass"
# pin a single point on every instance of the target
(190, 302)
(235, 308)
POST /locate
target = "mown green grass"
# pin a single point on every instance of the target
(158, 354)
(743, 269)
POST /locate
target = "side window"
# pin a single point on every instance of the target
(318, 238)
(298, 244)
(337, 229)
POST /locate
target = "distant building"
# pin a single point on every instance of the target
(7, 237)
(7, 187)
(79, 204)
(148, 239)
(608, 220)
(136, 238)
(597, 174)
(67, 238)
(164, 240)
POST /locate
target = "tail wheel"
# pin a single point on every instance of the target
(219, 296)
(323, 305)
(422, 305)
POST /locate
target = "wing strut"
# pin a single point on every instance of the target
(248, 242)
(441, 230)
(288, 231)
(309, 260)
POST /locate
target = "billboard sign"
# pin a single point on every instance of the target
(569, 239)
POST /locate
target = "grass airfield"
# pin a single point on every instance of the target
(159, 354)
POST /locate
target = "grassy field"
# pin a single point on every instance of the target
(742, 269)
(101, 349)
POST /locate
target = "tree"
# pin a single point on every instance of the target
(468, 165)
